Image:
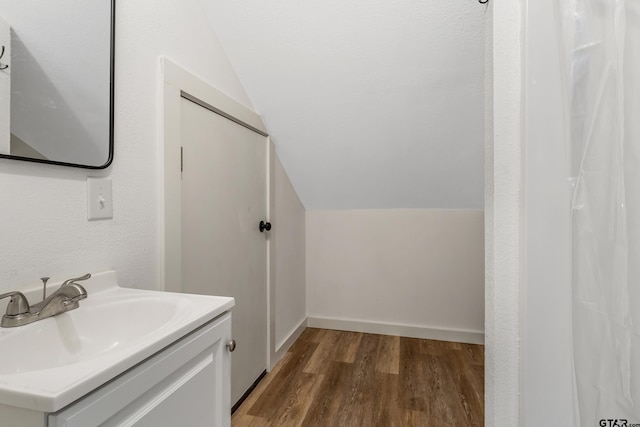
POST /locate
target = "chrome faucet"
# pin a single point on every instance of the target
(64, 299)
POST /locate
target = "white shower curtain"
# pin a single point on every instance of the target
(601, 45)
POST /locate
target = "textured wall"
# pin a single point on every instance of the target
(413, 267)
(43, 222)
(372, 104)
(503, 201)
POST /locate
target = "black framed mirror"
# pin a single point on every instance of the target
(57, 81)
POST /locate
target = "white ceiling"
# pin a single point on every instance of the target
(371, 103)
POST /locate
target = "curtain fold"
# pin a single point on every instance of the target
(601, 46)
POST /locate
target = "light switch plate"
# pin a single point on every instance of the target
(99, 198)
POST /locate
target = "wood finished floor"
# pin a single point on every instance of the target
(344, 379)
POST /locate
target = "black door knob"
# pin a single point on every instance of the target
(265, 226)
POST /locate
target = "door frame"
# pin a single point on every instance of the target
(179, 83)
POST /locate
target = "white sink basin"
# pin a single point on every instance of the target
(48, 364)
(83, 334)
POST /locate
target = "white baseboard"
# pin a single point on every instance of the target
(286, 344)
(453, 335)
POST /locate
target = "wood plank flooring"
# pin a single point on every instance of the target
(343, 379)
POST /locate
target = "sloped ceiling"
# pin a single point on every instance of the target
(370, 103)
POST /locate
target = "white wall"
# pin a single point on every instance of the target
(288, 236)
(527, 365)
(43, 218)
(503, 202)
(385, 269)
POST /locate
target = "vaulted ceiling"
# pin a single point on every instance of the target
(370, 103)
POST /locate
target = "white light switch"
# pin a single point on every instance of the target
(99, 198)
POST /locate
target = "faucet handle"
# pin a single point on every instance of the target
(70, 281)
(18, 304)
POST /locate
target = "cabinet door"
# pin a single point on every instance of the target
(224, 198)
(186, 384)
(191, 396)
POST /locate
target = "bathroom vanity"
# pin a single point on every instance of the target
(125, 357)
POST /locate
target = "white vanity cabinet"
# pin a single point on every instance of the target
(187, 383)
(125, 357)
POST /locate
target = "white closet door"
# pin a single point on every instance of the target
(223, 252)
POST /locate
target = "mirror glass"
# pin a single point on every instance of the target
(56, 81)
